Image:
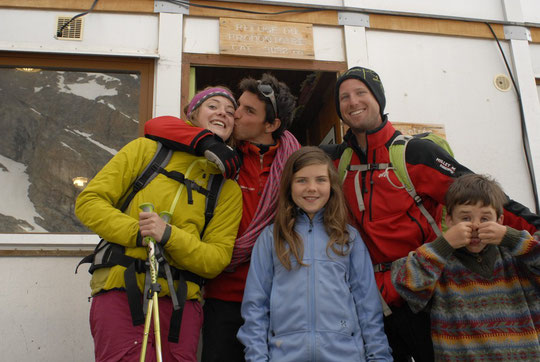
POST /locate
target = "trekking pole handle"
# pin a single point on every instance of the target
(147, 207)
(165, 216)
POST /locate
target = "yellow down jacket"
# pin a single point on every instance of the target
(95, 207)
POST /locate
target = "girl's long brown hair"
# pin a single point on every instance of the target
(287, 240)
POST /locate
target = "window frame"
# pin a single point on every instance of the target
(74, 244)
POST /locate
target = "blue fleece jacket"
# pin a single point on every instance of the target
(327, 311)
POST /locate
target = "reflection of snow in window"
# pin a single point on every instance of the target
(14, 195)
(89, 90)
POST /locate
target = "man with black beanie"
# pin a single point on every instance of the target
(388, 218)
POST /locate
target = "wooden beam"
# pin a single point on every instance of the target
(535, 35)
(49, 253)
(184, 86)
(434, 26)
(259, 62)
(317, 17)
(123, 6)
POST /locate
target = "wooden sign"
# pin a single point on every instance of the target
(416, 128)
(265, 38)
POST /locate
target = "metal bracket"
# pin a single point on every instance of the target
(354, 19)
(168, 7)
(517, 33)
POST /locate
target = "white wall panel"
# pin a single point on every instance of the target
(446, 80)
(535, 58)
(169, 66)
(479, 9)
(328, 43)
(524, 77)
(108, 34)
(531, 11)
(45, 309)
(356, 46)
(201, 35)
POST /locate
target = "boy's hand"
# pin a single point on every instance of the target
(491, 232)
(150, 224)
(459, 235)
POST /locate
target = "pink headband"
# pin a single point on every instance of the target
(200, 97)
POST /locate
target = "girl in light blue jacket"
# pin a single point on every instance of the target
(310, 293)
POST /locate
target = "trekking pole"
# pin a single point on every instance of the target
(154, 290)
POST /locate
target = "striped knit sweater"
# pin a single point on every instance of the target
(485, 306)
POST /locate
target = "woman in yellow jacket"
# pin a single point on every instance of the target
(115, 320)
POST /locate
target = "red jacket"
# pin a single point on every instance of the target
(391, 224)
(228, 286)
(252, 178)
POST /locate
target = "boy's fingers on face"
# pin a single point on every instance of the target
(484, 225)
(468, 226)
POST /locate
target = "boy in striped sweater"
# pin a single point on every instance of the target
(480, 280)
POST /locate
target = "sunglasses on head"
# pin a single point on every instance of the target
(267, 91)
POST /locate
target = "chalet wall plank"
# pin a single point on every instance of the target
(434, 26)
(131, 6)
(535, 35)
(270, 63)
(324, 17)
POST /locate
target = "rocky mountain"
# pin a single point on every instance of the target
(55, 126)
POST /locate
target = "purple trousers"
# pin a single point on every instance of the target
(116, 339)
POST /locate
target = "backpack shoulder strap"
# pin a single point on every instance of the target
(344, 162)
(161, 159)
(215, 184)
(397, 152)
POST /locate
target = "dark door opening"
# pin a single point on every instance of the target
(315, 120)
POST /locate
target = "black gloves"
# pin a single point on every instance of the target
(216, 151)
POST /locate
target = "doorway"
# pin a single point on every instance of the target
(315, 120)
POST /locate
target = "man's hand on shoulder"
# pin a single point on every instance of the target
(224, 156)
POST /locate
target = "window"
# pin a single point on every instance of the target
(60, 124)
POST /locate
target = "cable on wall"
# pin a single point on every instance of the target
(59, 32)
(186, 3)
(524, 133)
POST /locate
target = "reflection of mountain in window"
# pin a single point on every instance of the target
(58, 126)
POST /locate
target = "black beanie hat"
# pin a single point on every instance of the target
(370, 79)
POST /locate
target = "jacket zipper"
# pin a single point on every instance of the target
(419, 226)
(371, 186)
(261, 185)
(312, 288)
